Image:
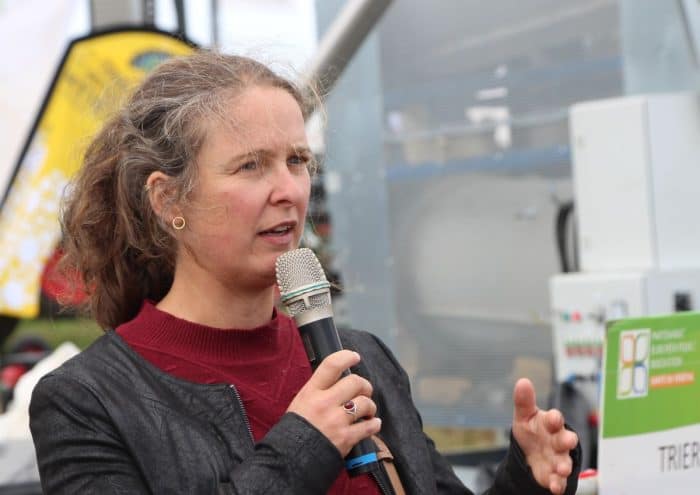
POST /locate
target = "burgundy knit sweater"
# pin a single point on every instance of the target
(267, 365)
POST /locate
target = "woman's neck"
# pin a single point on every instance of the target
(218, 306)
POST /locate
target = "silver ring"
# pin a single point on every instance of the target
(350, 408)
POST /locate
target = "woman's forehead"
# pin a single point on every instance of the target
(259, 116)
(260, 123)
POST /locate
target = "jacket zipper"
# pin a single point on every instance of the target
(380, 483)
(245, 415)
(380, 476)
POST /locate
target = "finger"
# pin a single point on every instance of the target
(556, 484)
(363, 429)
(332, 367)
(348, 387)
(365, 407)
(524, 400)
(565, 441)
(564, 467)
(554, 421)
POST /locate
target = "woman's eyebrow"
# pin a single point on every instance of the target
(302, 148)
(261, 153)
(246, 155)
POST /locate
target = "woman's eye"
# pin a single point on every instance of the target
(248, 166)
(298, 160)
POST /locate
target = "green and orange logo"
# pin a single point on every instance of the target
(633, 364)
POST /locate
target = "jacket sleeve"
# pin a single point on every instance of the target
(77, 450)
(513, 476)
(445, 478)
(80, 451)
(293, 457)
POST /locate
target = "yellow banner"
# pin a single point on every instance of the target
(95, 76)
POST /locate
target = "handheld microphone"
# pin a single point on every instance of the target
(305, 292)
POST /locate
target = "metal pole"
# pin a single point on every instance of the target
(107, 13)
(341, 41)
(181, 19)
(215, 23)
(149, 13)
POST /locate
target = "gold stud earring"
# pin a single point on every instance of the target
(178, 223)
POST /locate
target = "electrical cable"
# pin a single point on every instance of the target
(563, 214)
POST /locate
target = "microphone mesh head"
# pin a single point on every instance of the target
(299, 268)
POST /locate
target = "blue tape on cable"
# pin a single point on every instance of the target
(361, 460)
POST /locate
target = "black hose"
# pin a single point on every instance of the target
(564, 213)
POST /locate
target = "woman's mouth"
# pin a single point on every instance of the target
(278, 231)
(280, 234)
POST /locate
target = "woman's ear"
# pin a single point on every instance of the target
(159, 189)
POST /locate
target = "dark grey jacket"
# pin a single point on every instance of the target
(107, 422)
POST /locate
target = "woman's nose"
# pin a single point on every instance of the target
(288, 185)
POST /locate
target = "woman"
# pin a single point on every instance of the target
(185, 200)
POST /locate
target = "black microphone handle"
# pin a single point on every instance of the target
(320, 340)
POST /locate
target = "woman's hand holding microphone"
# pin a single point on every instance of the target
(332, 403)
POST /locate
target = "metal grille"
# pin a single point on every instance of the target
(298, 268)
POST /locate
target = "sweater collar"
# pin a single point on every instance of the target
(157, 329)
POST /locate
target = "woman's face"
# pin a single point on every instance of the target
(250, 199)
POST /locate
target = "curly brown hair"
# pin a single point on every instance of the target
(121, 249)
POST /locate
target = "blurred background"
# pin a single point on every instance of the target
(444, 204)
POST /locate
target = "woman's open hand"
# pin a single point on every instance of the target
(543, 438)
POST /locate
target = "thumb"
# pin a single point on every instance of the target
(524, 400)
